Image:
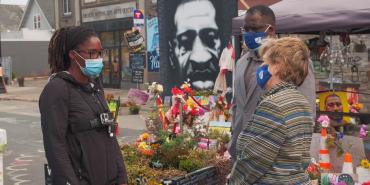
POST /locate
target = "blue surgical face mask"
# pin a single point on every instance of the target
(93, 67)
(263, 75)
(253, 40)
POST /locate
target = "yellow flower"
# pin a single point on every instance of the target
(191, 104)
(142, 145)
(144, 136)
(185, 85)
(365, 163)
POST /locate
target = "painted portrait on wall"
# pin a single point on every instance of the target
(192, 35)
(335, 102)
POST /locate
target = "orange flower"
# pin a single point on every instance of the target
(144, 137)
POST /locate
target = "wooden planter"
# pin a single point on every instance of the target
(204, 176)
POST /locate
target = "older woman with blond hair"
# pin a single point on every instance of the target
(274, 148)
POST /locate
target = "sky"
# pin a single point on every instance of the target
(16, 2)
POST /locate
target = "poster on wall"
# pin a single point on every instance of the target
(139, 19)
(134, 40)
(335, 102)
(137, 60)
(192, 35)
(153, 44)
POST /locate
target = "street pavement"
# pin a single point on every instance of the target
(19, 116)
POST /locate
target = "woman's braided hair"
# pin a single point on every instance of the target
(63, 41)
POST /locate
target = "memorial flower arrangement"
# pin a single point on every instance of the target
(154, 158)
(184, 107)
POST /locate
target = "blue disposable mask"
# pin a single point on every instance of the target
(93, 67)
(263, 75)
(253, 40)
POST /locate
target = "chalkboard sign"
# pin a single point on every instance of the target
(137, 61)
(137, 76)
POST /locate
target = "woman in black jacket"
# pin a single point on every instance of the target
(77, 129)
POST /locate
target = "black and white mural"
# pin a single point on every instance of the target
(192, 35)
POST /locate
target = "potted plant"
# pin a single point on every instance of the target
(133, 108)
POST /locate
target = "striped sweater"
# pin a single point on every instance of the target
(275, 146)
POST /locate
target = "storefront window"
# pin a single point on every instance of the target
(107, 39)
(116, 62)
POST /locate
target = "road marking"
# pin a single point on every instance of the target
(17, 170)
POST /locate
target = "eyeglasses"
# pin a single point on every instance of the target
(338, 104)
(263, 28)
(93, 53)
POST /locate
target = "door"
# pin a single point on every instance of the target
(112, 68)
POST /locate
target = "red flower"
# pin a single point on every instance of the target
(185, 107)
(176, 91)
(188, 90)
(194, 112)
(175, 109)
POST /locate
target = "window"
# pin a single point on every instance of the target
(67, 7)
(37, 21)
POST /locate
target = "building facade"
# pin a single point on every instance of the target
(111, 19)
(67, 13)
(39, 15)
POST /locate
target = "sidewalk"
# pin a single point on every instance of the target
(132, 124)
(34, 86)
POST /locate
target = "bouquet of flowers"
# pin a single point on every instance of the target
(356, 107)
(144, 145)
(185, 108)
(363, 172)
(155, 88)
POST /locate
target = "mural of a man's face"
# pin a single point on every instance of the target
(333, 103)
(197, 43)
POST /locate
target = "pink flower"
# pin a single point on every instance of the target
(201, 112)
(177, 130)
(324, 120)
(363, 132)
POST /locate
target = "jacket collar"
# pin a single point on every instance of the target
(278, 87)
